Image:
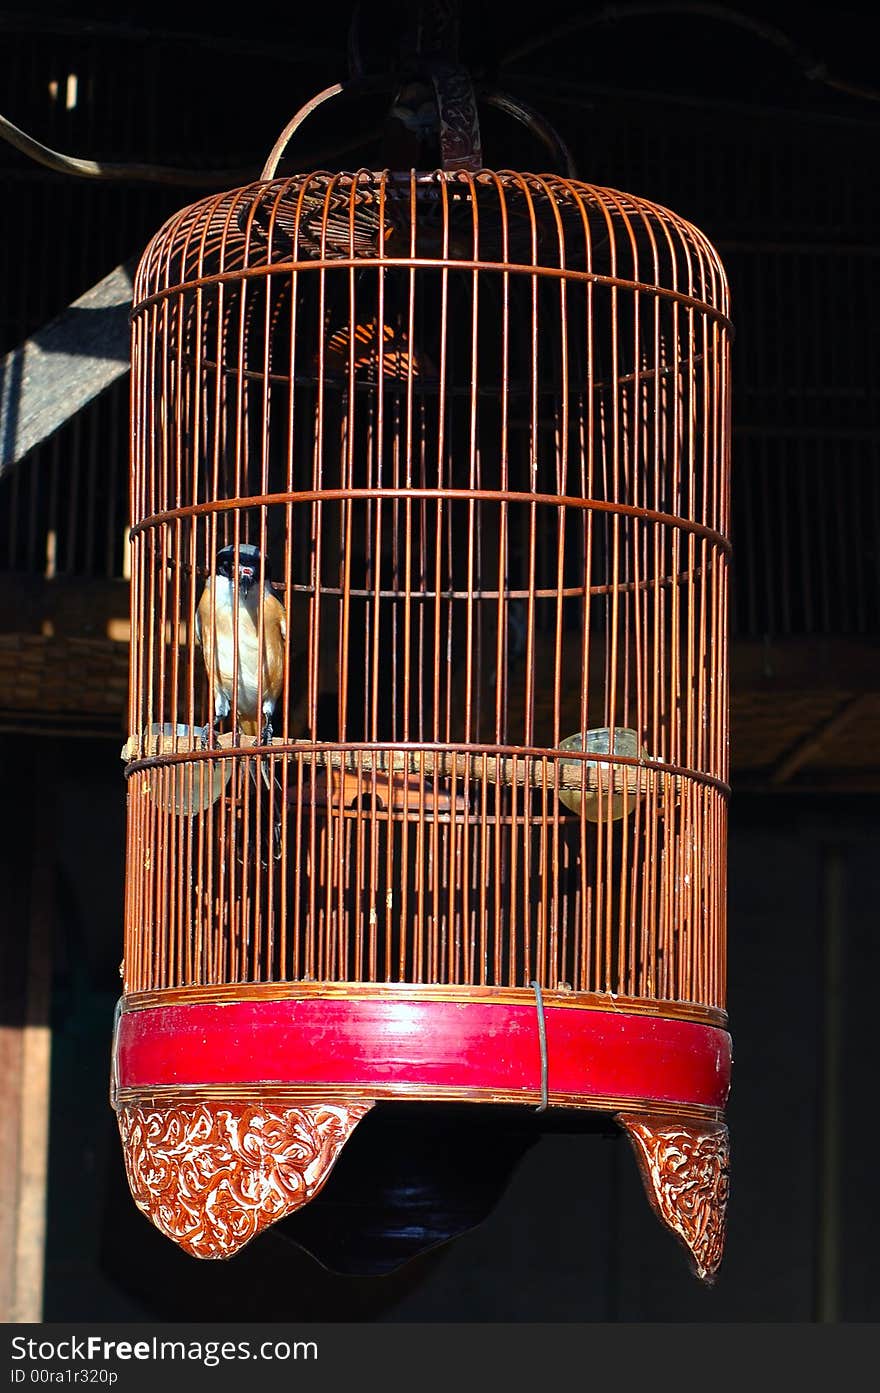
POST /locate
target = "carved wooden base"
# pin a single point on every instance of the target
(211, 1175)
(684, 1165)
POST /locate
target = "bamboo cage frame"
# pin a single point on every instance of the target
(478, 425)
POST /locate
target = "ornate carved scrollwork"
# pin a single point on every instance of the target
(684, 1165)
(459, 123)
(211, 1175)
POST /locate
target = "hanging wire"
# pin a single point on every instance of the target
(542, 1042)
(812, 68)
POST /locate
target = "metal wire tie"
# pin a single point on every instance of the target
(542, 1040)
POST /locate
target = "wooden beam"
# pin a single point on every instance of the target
(65, 606)
(824, 783)
(806, 663)
(804, 749)
(64, 365)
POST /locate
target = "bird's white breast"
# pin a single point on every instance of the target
(248, 645)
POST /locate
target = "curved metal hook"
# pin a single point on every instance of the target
(294, 124)
(538, 125)
(512, 106)
(357, 86)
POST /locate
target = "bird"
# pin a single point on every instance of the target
(224, 623)
(260, 676)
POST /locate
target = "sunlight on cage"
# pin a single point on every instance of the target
(481, 455)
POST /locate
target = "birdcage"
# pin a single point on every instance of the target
(428, 718)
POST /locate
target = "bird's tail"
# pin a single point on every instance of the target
(271, 782)
(252, 727)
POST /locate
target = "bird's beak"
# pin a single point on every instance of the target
(245, 578)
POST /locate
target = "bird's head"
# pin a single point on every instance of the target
(246, 561)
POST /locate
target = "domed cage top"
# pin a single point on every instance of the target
(428, 725)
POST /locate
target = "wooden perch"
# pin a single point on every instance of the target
(536, 771)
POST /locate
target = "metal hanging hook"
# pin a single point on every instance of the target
(430, 54)
(535, 122)
(294, 124)
(461, 150)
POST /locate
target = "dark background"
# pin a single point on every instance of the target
(780, 170)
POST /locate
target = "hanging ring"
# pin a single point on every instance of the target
(294, 124)
(538, 125)
(357, 85)
(503, 101)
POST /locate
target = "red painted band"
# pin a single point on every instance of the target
(456, 1045)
